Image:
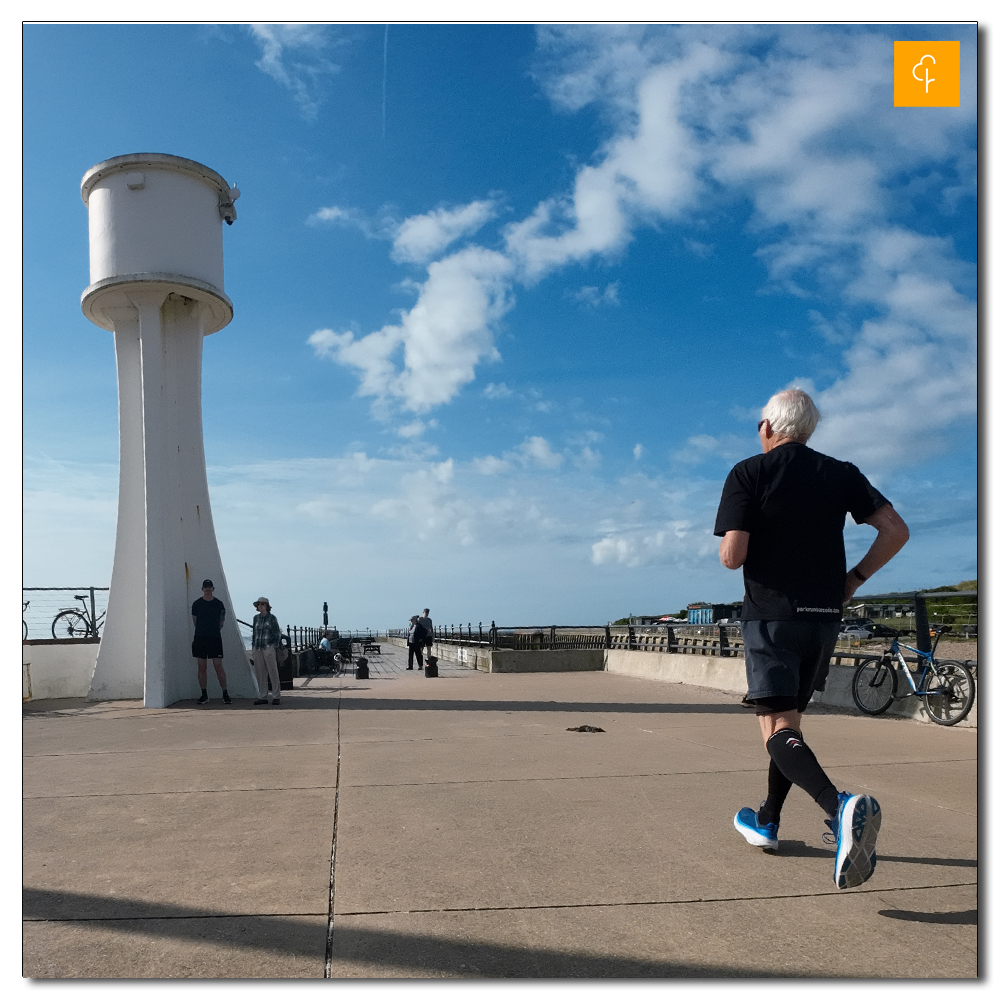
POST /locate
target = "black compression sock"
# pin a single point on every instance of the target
(799, 765)
(778, 787)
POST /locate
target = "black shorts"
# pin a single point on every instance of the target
(207, 647)
(786, 662)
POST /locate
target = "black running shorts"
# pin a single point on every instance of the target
(207, 647)
(786, 662)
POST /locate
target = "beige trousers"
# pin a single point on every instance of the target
(265, 662)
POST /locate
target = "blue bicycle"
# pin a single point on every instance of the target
(947, 686)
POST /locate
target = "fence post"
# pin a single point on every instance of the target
(631, 637)
(671, 640)
(480, 633)
(552, 637)
(607, 636)
(723, 644)
(493, 635)
(922, 627)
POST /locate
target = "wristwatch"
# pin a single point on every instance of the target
(859, 574)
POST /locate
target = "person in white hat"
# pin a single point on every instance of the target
(266, 637)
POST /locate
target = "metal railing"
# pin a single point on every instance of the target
(41, 606)
(666, 638)
(302, 637)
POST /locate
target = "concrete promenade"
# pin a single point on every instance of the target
(472, 835)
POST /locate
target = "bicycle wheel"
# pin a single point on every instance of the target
(874, 685)
(70, 625)
(24, 629)
(950, 692)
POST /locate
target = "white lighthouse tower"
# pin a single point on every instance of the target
(156, 281)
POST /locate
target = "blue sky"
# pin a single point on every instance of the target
(508, 301)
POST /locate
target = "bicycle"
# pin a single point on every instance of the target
(74, 623)
(24, 624)
(947, 686)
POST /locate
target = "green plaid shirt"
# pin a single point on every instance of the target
(266, 631)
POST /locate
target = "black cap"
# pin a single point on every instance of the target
(207, 583)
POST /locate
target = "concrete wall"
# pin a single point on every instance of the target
(54, 668)
(729, 674)
(530, 661)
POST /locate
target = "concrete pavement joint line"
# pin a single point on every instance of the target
(159, 751)
(480, 909)
(179, 791)
(328, 963)
(566, 777)
(650, 902)
(171, 916)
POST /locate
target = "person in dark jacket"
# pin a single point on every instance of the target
(415, 643)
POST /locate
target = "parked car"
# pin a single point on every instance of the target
(855, 632)
(884, 631)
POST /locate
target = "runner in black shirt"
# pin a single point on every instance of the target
(781, 518)
(209, 615)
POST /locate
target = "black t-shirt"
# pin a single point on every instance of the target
(208, 616)
(792, 501)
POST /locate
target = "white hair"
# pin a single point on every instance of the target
(791, 413)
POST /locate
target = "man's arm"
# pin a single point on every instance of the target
(893, 534)
(733, 548)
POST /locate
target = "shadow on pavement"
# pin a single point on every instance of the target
(800, 849)
(388, 951)
(956, 917)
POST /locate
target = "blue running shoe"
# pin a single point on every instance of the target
(855, 828)
(754, 832)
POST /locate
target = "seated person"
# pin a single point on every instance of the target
(324, 643)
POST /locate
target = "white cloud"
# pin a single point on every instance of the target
(648, 167)
(497, 390)
(587, 458)
(637, 452)
(701, 447)
(379, 227)
(536, 450)
(290, 54)
(421, 237)
(417, 239)
(441, 339)
(702, 250)
(490, 466)
(673, 543)
(592, 296)
(414, 429)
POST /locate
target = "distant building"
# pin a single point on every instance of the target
(701, 613)
(882, 606)
(647, 619)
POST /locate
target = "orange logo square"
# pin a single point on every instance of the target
(925, 74)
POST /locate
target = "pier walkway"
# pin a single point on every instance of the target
(460, 830)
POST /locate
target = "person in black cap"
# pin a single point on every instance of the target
(209, 615)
